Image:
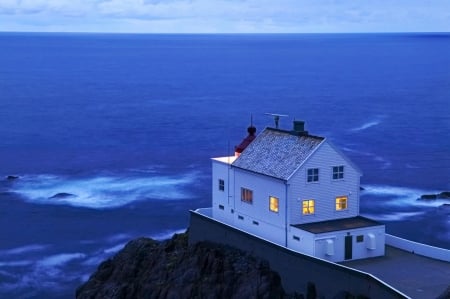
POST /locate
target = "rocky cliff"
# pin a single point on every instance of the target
(171, 269)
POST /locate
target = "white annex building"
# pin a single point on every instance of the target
(296, 190)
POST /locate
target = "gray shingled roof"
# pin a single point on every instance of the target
(277, 153)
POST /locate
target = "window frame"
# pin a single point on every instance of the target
(221, 185)
(341, 201)
(310, 204)
(312, 175)
(338, 172)
(274, 204)
(246, 195)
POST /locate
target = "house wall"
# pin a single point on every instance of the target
(360, 250)
(301, 241)
(270, 225)
(325, 191)
(222, 201)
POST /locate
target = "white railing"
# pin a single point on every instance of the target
(418, 248)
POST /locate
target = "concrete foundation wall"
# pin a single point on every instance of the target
(295, 269)
(419, 248)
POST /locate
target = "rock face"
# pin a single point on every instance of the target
(149, 269)
(62, 195)
(442, 195)
(445, 294)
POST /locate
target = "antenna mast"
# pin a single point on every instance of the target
(276, 118)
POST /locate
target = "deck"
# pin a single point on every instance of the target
(416, 276)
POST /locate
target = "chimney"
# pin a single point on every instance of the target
(299, 128)
(247, 140)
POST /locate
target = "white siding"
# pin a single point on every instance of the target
(325, 191)
(301, 241)
(263, 187)
(360, 250)
(222, 200)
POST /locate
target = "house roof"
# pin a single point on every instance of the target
(337, 225)
(277, 153)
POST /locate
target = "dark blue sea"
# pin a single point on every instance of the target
(127, 124)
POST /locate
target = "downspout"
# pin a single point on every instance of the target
(286, 215)
(228, 183)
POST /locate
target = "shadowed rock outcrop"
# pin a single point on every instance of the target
(149, 269)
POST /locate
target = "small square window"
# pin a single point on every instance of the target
(341, 203)
(338, 172)
(273, 204)
(313, 175)
(246, 195)
(221, 207)
(221, 185)
(308, 207)
(360, 238)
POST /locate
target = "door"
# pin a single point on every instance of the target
(348, 247)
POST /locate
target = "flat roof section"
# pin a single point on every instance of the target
(337, 225)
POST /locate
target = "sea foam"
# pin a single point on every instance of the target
(100, 192)
(401, 196)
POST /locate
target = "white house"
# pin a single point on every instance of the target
(296, 190)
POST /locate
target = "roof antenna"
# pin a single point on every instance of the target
(276, 118)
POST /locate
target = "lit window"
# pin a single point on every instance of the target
(308, 207)
(273, 204)
(313, 175)
(246, 195)
(338, 172)
(341, 203)
(221, 185)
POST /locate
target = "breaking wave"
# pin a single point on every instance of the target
(397, 216)
(24, 249)
(401, 196)
(101, 192)
(366, 126)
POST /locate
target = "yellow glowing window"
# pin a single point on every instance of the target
(341, 203)
(308, 207)
(273, 204)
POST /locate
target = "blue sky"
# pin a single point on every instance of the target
(225, 16)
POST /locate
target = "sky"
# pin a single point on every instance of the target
(225, 16)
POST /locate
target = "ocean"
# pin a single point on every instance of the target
(122, 128)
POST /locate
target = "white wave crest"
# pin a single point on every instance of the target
(23, 249)
(115, 248)
(167, 234)
(401, 196)
(16, 263)
(102, 191)
(398, 216)
(48, 272)
(59, 259)
(366, 126)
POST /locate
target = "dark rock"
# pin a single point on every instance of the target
(428, 197)
(171, 269)
(146, 268)
(311, 292)
(62, 195)
(444, 195)
(12, 177)
(445, 294)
